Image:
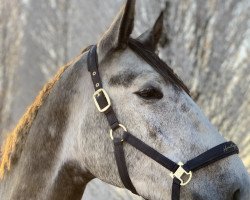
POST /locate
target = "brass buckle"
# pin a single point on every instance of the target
(180, 172)
(97, 93)
(111, 131)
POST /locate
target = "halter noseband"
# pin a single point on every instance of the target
(178, 171)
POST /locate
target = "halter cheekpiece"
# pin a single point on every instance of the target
(181, 173)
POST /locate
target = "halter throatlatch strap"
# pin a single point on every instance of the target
(178, 171)
(121, 163)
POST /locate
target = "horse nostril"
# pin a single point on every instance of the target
(236, 195)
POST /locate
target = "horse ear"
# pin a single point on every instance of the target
(151, 37)
(118, 34)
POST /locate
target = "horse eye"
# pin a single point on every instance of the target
(150, 93)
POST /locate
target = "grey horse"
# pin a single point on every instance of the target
(61, 143)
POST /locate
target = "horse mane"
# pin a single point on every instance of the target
(15, 140)
(159, 65)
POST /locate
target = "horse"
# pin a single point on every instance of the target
(62, 142)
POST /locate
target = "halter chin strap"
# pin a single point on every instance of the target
(181, 173)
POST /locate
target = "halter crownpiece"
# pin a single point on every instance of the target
(180, 173)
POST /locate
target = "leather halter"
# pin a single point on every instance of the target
(178, 171)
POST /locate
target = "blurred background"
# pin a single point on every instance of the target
(206, 42)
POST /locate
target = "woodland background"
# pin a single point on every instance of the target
(207, 42)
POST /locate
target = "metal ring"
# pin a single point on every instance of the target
(111, 131)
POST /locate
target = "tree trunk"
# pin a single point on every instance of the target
(206, 42)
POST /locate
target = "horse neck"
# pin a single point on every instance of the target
(44, 170)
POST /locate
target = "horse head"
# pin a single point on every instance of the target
(155, 106)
